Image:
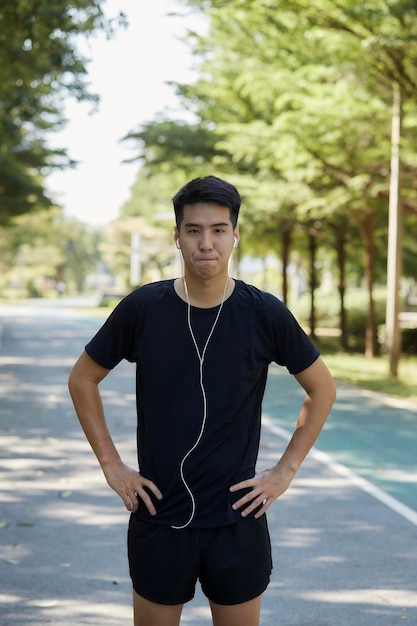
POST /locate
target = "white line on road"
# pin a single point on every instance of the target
(342, 470)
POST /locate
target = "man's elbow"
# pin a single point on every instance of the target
(74, 382)
(333, 391)
(328, 391)
(332, 395)
(85, 374)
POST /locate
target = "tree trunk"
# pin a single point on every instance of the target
(365, 223)
(340, 233)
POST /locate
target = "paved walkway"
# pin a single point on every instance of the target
(344, 536)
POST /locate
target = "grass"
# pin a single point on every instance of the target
(373, 374)
(352, 367)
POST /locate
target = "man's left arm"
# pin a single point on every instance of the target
(272, 483)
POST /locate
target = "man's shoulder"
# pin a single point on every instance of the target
(151, 291)
(255, 296)
(138, 301)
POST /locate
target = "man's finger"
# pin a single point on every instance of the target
(243, 485)
(128, 503)
(144, 496)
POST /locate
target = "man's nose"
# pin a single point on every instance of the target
(206, 241)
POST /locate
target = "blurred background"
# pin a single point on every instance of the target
(107, 107)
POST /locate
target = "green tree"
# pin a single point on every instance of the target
(148, 214)
(327, 97)
(40, 65)
(39, 250)
(296, 97)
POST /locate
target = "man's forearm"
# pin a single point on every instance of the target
(89, 409)
(310, 422)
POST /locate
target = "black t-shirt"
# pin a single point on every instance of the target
(149, 327)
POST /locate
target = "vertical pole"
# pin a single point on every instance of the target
(394, 260)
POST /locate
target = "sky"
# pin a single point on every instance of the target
(129, 72)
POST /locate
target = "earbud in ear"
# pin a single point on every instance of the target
(178, 244)
(235, 242)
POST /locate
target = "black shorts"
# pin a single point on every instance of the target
(233, 563)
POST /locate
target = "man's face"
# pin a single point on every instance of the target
(206, 237)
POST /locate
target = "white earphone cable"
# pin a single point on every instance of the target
(201, 356)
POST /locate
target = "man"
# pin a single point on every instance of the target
(202, 344)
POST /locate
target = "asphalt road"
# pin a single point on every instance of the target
(344, 536)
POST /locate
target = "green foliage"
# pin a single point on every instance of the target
(165, 142)
(149, 214)
(38, 251)
(39, 66)
(155, 248)
(327, 312)
(409, 340)
(294, 105)
(151, 196)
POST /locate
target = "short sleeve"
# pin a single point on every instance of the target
(117, 338)
(293, 348)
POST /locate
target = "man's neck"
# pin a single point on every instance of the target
(205, 294)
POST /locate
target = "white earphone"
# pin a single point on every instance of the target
(177, 243)
(235, 242)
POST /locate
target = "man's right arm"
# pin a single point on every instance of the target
(83, 385)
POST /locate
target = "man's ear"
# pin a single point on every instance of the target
(236, 235)
(176, 236)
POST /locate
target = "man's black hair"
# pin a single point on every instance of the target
(208, 189)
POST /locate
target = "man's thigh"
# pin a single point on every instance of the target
(245, 614)
(147, 613)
